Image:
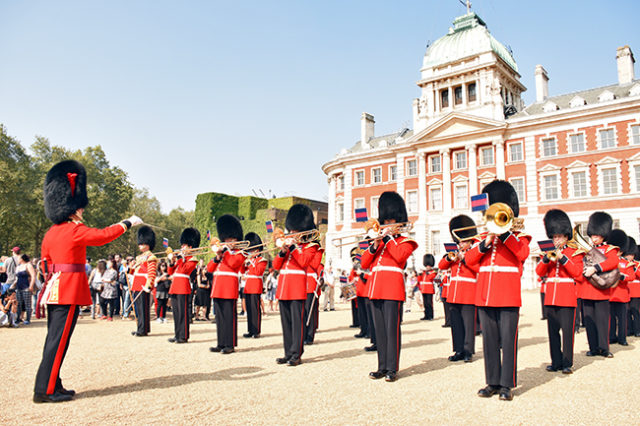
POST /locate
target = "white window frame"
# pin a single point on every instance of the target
(633, 163)
(543, 188)
(431, 157)
(456, 205)
(431, 188)
(630, 133)
(408, 169)
(355, 178)
(601, 169)
(360, 200)
(570, 143)
(393, 178)
(341, 183)
(493, 156)
(374, 206)
(524, 188)
(407, 198)
(615, 138)
(373, 179)
(570, 173)
(542, 145)
(340, 212)
(510, 147)
(434, 239)
(455, 160)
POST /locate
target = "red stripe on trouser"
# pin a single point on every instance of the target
(573, 327)
(55, 370)
(235, 323)
(398, 338)
(186, 323)
(259, 316)
(608, 332)
(515, 357)
(301, 329)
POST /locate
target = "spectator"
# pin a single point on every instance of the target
(25, 287)
(203, 293)
(3, 274)
(272, 286)
(8, 309)
(117, 264)
(163, 283)
(95, 285)
(329, 292)
(109, 293)
(10, 266)
(125, 279)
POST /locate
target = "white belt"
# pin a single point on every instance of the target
(181, 275)
(227, 274)
(560, 280)
(466, 279)
(387, 268)
(292, 272)
(140, 275)
(312, 275)
(252, 276)
(496, 268)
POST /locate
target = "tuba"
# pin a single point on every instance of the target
(603, 280)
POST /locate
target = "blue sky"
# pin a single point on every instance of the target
(199, 96)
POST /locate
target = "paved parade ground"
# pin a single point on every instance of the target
(123, 379)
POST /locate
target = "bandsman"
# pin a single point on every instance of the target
(255, 266)
(425, 282)
(144, 278)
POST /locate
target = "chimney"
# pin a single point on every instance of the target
(366, 127)
(542, 84)
(625, 60)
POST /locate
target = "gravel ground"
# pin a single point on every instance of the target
(123, 379)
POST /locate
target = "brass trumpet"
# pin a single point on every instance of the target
(217, 245)
(498, 219)
(279, 236)
(374, 231)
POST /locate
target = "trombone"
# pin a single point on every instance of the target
(279, 237)
(374, 231)
(498, 219)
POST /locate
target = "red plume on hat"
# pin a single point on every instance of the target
(65, 190)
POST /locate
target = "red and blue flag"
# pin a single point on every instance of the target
(361, 214)
(269, 226)
(449, 247)
(208, 235)
(165, 242)
(479, 202)
(343, 279)
(363, 245)
(546, 245)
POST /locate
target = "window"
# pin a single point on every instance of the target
(577, 142)
(435, 243)
(609, 181)
(486, 156)
(515, 152)
(374, 206)
(607, 139)
(444, 98)
(457, 95)
(471, 92)
(376, 175)
(358, 203)
(635, 134)
(549, 147)
(461, 196)
(461, 159)
(412, 168)
(518, 185)
(393, 173)
(579, 184)
(412, 201)
(360, 178)
(637, 170)
(341, 183)
(550, 187)
(340, 212)
(435, 164)
(435, 196)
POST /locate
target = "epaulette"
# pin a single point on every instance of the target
(578, 252)
(152, 258)
(192, 259)
(611, 247)
(521, 234)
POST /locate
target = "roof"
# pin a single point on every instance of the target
(378, 142)
(469, 36)
(590, 97)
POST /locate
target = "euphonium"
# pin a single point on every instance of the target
(602, 280)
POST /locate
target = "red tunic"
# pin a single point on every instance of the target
(387, 265)
(181, 271)
(292, 280)
(587, 290)
(253, 275)
(462, 286)
(425, 280)
(620, 293)
(312, 271)
(500, 269)
(66, 244)
(226, 274)
(144, 274)
(634, 286)
(361, 285)
(445, 285)
(562, 277)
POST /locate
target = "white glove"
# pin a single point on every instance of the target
(135, 220)
(279, 243)
(372, 234)
(289, 242)
(215, 248)
(147, 289)
(170, 257)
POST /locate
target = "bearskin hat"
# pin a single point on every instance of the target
(391, 206)
(462, 221)
(190, 237)
(65, 190)
(637, 255)
(229, 227)
(557, 222)
(501, 191)
(632, 248)
(618, 238)
(428, 260)
(600, 223)
(254, 240)
(299, 218)
(147, 236)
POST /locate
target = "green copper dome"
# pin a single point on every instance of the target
(468, 37)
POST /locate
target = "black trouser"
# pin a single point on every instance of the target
(544, 310)
(427, 302)
(372, 326)
(112, 306)
(161, 308)
(180, 305)
(311, 314)
(579, 315)
(445, 305)
(561, 318)
(226, 322)
(254, 313)
(61, 321)
(363, 319)
(116, 302)
(354, 313)
(143, 302)
(618, 322)
(596, 321)
(500, 331)
(463, 333)
(386, 317)
(291, 317)
(634, 313)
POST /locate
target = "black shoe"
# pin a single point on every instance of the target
(325, 310)
(591, 353)
(135, 333)
(172, 340)
(506, 394)
(624, 343)
(54, 397)
(308, 342)
(567, 370)
(606, 354)
(66, 391)
(467, 358)
(371, 348)
(227, 351)
(181, 341)
(282, 360)
(353, 326)
(332, 309)
(375, 375)
(359, 335)
(551, 368)
(488, 391)
(247, 335)
(456, 357)
(391, 376)
(637, 334)
(424, 319)
(215, 349)
(294, 362)
(445, 325)
(256, 336)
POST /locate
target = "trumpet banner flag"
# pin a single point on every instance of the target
(165, 242)
(546, 245)
(361, 214)
(269, 226)
(449, 247)
(479, 202)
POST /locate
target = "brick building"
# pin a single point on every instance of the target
(579, 152)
